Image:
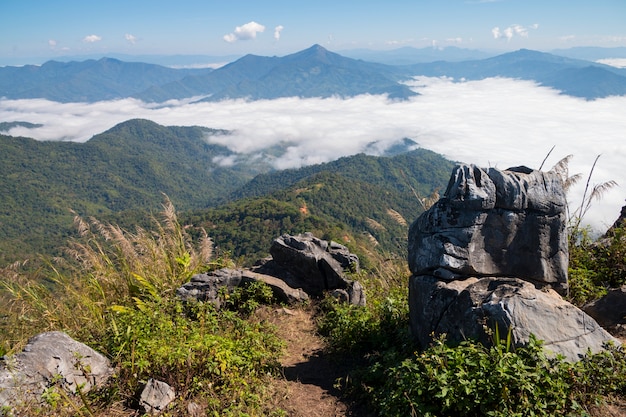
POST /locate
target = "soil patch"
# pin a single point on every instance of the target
(310, 374)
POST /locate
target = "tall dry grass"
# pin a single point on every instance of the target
(105, 267)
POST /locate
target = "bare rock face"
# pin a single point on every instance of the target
(315, 265)
(495, 223)
(471, 308)
(206, 287)
(493, 252)
(610, 311)
(50, 359)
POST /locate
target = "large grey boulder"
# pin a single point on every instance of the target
(493, 252)
(490, 222)
(51, 359)
(207, 287)
(471, 308)
(315, 265)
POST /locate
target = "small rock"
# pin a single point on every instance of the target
(156, 396)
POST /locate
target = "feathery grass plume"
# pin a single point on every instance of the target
(596, 193)
(561, 168)
(428, 202)
(374, 224)
(425, 202)
(397, 217)
(108, 266)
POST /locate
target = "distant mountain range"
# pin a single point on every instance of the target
(408, 55)
(314, 72)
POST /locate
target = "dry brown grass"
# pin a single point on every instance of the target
(106, 267)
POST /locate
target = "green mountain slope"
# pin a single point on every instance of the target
(122, 174)
(125, 168)
(359, 198)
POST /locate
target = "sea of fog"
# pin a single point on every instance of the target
(495, 122)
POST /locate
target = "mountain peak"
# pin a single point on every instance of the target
(316, 52)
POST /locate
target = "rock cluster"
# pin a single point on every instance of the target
(207, 287)
(315, 265)
(301, 266)
(493, 252)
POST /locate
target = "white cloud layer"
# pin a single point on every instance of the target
(245, 32)
(92, 38)
(493, 122)
(130, 38)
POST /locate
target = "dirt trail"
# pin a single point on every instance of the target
(309, 375)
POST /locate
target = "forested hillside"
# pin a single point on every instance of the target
(122, 175)
(125, 168)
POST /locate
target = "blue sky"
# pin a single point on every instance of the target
(47, 29)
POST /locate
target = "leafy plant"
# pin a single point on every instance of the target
(246, 299)
(380, 325)
(474, 380)
(594, 266)
(118, 295)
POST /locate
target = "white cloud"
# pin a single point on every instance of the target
(92, 38)
(277, 30)
(52, 43)
(567, 38)
(511, 31)
(398, 42)
(493, 122)
(614, 62)
(245, 32)
(130, 38)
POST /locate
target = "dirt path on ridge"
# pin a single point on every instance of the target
(307, 389)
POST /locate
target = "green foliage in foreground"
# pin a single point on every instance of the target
(118, 296)
(465, 380)
(217, 357)
(474, 380)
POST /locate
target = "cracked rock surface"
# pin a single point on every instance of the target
(493, 252)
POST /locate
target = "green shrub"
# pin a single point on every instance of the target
(596, 266)
(194, 348)
(381, 324)
(246, 299)
(474, 380)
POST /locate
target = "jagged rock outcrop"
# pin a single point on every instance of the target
(493, 251)
(206, 287)
(315, 265)
(301, 266)
(156, 396)
(495, 223)
(50, 359)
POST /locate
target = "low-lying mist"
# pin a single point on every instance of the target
(494, 122)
